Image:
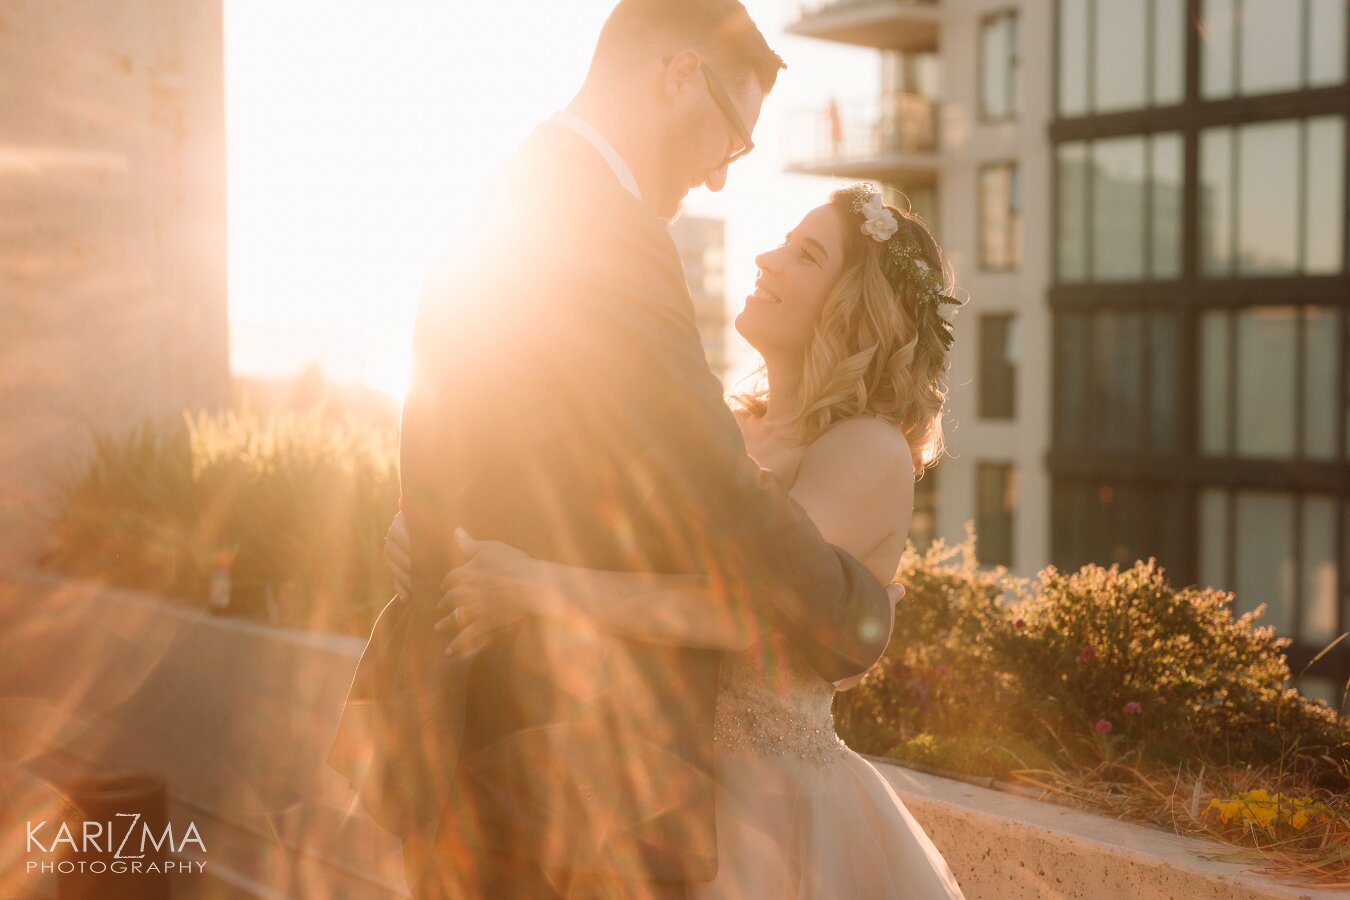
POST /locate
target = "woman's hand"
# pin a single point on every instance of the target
(496, 586)
(398, 556)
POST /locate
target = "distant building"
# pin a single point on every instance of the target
(112, 237)
(1147, 202)
(703, 252)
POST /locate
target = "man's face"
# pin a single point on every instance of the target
(700, 136)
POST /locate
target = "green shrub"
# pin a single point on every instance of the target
(989, 674)
(299, 503)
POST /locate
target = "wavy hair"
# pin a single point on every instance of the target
(872, 354)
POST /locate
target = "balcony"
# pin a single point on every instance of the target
(892, 140)
(907, 25)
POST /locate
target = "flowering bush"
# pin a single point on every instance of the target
(294, 506)
(1076, 668)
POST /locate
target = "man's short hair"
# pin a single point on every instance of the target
(721, 31)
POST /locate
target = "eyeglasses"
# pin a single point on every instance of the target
(719, 95)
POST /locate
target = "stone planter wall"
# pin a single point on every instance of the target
(238, 718)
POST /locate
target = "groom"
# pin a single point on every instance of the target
(561, 403)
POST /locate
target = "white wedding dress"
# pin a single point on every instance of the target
(799, 815)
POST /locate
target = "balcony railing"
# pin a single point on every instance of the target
(864, 132)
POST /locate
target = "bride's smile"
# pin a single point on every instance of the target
(795, 280)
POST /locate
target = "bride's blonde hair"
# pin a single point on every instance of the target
(878, 349)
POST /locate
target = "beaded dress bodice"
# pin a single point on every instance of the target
(771, 703)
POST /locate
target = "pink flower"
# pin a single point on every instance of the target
(1088, 653)
(1103, 726)
(1133, 708)
(1018, 624)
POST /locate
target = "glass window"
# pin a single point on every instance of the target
(998, 366)
(1263, 555)
(1324, 184)
(1117, 380)
(998, 66)
(1071, 242)
(1282, 45)
(1118, 209)
(996, 505)
(1073, 57)
(1215, 397)
(1000, 217)
(1217, 41)
(1269, 46)
(1326, 42)
(1214, 538)
(1169, 51)
(1321, 367)
(1164, 377)
(1071, 380)
(1318, 570)
(1282, 168)
(1119, 42)
(1165, 172)
(1267, 396)
(1268, 198)
(1216, 201)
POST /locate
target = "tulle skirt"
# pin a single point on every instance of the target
(795, 829)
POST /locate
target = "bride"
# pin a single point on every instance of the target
(847, 316)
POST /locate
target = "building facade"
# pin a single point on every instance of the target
(1150, 219)
(702, 247)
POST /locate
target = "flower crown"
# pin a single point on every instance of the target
(903, 260)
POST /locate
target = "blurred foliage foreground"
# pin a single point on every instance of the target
(289, 511)
(1114, 690)
(1105, 688)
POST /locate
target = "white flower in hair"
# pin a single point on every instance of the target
(880, 224)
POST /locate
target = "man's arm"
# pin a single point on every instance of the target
(735, 521)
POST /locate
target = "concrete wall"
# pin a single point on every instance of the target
(112, 226)
(237, 718)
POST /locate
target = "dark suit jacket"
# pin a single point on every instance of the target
(561, 403)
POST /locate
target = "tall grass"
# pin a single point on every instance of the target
(296, 503)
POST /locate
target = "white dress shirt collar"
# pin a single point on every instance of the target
(575, 123)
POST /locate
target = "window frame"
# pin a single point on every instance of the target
(989, 409)
(1013, 235)
(1183, 472)
(1011, 73)
(1010, 487)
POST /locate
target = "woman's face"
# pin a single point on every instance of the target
(794, 281)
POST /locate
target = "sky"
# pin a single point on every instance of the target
(361, 138)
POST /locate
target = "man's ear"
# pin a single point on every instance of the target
(682, 71)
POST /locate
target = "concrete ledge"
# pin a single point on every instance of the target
(1005, 847)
